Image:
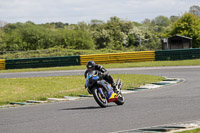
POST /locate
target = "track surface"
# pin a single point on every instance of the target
(171, 104)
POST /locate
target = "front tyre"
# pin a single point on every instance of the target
(120, 100)
(99, 98)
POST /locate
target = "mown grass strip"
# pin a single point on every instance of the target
(191, 131)
(41, 88)
(114, 65)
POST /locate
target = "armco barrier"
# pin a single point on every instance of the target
(119, 57)
(42, 62)
(178, 54)
(2, 64)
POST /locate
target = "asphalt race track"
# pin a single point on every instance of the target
(169, 104)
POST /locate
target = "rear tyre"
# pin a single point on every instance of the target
(99, 99)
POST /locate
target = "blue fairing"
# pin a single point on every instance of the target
(95, 78)
(86, 82)
(89, 76)
(110, 94)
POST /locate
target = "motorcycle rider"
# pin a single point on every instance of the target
(92, 66)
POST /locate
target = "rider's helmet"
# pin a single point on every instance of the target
(90, 65)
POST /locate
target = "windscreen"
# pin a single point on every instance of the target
(91, 73)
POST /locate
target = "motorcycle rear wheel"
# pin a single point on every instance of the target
(99, 99)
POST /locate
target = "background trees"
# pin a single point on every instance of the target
(29, 36)
(116, 34)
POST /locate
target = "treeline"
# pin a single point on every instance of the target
(116, 34)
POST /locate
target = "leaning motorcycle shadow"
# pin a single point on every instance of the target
(87, 108)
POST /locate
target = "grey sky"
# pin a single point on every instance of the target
(73, 11)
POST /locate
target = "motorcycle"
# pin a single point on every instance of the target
(102, 91)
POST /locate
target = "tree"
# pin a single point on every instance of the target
(118, 30)
(136, 35)
(188, 25)
(28, 36)
(161, 21)
(94, 23)
(111, 34)
(75, 39)
(59, 24)
(10, 27)
(174, 18)
(2, 44)
(102, 38)
(80, 39)
(146, 22)
(195, 10)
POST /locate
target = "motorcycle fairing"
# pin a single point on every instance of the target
(87, 82)
(105, 85)
(112, 97)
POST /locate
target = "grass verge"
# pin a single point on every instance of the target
(114, 65)
(191, 131)
(41, 88)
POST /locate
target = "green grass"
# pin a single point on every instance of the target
(114, 65)
(191, 131)
(41, 88)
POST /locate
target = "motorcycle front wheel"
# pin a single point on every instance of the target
(102, 101)
(120, 100)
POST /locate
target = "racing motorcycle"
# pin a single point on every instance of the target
(102, 91)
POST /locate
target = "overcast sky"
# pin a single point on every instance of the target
(73, 11)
